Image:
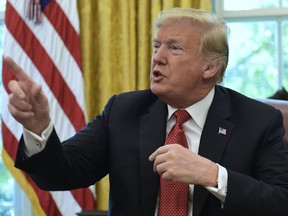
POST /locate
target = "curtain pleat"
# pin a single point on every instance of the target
(116, 52)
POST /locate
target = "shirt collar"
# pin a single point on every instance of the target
(198, 111)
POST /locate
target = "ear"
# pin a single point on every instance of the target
(210, 70)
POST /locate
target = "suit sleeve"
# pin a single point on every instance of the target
(77, 162)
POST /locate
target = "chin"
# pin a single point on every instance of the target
(155, 89)
(160, 93)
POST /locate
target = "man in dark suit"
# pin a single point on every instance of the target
(235, 163)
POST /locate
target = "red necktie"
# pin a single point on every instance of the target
(174, 195)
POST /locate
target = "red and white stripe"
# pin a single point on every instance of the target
(50, 53)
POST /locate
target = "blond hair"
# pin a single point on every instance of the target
(214, 42)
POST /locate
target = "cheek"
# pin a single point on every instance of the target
(189, 78)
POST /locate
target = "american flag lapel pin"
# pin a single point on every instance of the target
(222, 131)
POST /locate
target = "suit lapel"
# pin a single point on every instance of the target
(214, 138)
(152, 136)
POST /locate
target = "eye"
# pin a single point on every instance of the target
(175, 48)
(156, 47)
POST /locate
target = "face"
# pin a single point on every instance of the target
(178, 70)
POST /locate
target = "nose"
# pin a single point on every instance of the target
(159, 56)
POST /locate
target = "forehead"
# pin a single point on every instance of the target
(179, 29)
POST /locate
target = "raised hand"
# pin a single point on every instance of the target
(27, 102)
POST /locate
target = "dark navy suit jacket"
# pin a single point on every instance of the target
(133, 125)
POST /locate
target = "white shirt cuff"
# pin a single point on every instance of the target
(221, 191)
(34, 143)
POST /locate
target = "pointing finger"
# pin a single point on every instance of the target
(16, 69)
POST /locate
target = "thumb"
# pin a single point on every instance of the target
(157, 152)
(38, 97)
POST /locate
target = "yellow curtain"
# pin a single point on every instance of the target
(116, 51)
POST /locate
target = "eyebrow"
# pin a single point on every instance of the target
(169, 41)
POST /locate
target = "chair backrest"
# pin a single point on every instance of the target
(282, 105)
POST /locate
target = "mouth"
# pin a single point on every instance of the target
(157, 75)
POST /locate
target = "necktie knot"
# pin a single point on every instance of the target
(181, 116)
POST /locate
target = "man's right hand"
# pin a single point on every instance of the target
(27, 102)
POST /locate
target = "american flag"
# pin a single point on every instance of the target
(42, 36)
(222, 131)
